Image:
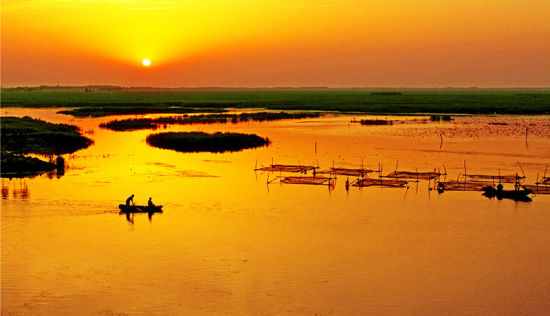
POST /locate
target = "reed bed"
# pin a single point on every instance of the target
(154, 123)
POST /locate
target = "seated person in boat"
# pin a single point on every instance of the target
(130, 200)
(150, 203)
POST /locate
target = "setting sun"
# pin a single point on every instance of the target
(146, 62)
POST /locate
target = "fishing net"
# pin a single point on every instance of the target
(287, 168)
(380, 182)
(347, 172)
(307, 180)
(462, 186)
(494, 178)
(538, 189)
(414, 175)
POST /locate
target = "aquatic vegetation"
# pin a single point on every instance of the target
(149, 123)
(475, 127)
(204, 142)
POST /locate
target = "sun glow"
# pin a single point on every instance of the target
(146, 62)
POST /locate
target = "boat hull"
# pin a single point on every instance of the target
(140, 208)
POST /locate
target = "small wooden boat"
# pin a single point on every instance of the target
(140, 208)
(516, 195)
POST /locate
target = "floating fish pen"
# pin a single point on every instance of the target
(414, 175)
(287, 168)
(461, 186)
(308, 180)
(347, 172)
(538, 189)
(390, 183)
(493, 178)
(376, 122)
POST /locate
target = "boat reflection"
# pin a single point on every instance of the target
(130, 215)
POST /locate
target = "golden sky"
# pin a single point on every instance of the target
(421, 43)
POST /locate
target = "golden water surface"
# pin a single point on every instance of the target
(229, 243)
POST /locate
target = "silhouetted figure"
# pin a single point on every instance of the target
(500, 187)
(150, 203)
(130, 200)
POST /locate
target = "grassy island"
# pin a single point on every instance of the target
(204, 142)
(20, 164)
(148, 123)
(22, 136)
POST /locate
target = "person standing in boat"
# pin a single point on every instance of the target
(150, 202)
(130, 200)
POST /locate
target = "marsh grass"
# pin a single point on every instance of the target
(403, 101)
(13, 164)
(102, 111)
(26, 135)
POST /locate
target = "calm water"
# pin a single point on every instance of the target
(228, 243)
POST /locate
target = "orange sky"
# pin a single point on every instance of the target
(419, 43)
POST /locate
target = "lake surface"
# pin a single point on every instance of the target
(229, 243)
